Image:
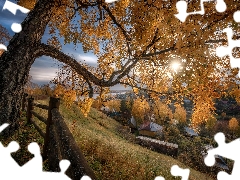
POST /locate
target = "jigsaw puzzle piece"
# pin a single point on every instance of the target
(227, 50)
(7, 169)
(3, 126)
(35, 164)
(177, 171)
(182, 9)
(86, 178)
(16, 27)
(227, 150)
(221, 6)
(236, 16)
(159, 178)
(110, 1)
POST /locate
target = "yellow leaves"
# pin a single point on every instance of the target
(29, 4)
(139, 109)
(233, 124)
(203, 112)
(162, 112)
(236, 94)
(113, 105)
(69, 97)
(124, 3)
(58, 91)
(180, 114)
(54, 42)
(85, 106)
(135, 90)
(97, 103)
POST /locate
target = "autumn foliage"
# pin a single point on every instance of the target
(180, 114)
(162, 112)
(233, 124)
(136, 42)
(139, 109)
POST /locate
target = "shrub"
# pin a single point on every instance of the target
(162, 112)
(180, 114)
(233, 124)
(139, 109)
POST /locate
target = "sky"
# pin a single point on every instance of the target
(44, 68)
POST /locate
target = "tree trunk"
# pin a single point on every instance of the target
(15, 63)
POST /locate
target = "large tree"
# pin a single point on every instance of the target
(135, 42)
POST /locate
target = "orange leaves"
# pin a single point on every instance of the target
(180, 114)
(162, 112)
(233, 124)
(203, 110)
(29, 4)
(58, 90)
(54, 42)
(113, 105)
(69, 97)
(85, 106)
(139, 109)
(236, 94)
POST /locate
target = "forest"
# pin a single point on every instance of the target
(183, 81)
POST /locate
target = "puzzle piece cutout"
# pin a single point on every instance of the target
(9, 168)
(182, 9)
(16, 27)
(13, 9)
(227, 150)
(110, 1)
(236, 16)
(227, 50)
(177, 171)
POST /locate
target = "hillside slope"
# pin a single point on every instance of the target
(107, 147)
(111, 155)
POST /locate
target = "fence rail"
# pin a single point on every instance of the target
(59, 143)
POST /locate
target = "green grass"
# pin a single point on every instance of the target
(108, 149)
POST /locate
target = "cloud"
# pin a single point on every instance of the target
(42, 76)
(88, 59)
(43, 70)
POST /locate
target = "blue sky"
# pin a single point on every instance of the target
(44, 68)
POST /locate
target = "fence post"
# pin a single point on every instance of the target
(24, 101)
(53, 103)
(29, 109)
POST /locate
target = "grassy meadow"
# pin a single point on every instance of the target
(108, 147)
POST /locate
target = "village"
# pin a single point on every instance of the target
(168, 138)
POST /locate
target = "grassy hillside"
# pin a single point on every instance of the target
(108, 149)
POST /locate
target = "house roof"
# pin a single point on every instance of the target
(150, 126)
(155, 127)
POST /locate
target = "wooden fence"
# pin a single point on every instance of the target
(58, 141)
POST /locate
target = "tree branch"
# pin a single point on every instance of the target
(128, 39)
(56, 54)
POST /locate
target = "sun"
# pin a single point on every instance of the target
(175, 66)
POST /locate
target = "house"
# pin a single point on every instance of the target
(133, 122)
(155, 127)
(133, 125)
(150, 129)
